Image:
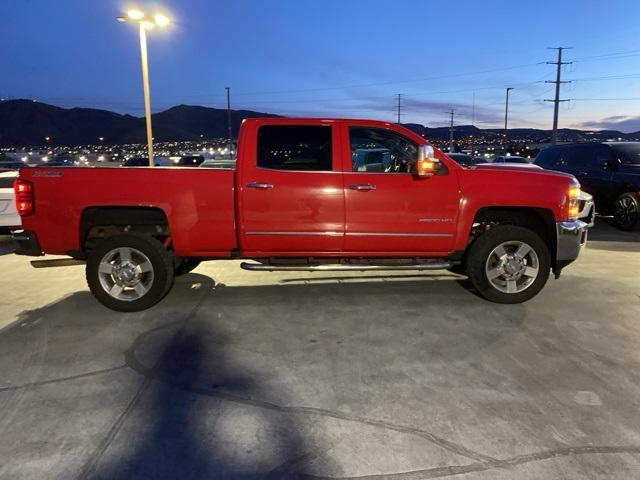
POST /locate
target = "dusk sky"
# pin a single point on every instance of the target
(346, 58)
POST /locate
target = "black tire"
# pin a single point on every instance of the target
(627, 212)
(458, 269)
(159, 284)
(480, 252)
(186, 265)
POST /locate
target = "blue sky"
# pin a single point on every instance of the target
(345, 58)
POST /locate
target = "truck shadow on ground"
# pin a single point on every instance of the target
(178, 435)
(182, 425)
(188, 417)
(184, 421)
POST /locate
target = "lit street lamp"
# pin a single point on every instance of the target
(145, 23)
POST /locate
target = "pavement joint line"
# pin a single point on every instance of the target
(154, 374)
(296, 410)
(63, 379)
(91, 464)
(508, 463)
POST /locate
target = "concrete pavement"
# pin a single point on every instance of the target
(251, 375)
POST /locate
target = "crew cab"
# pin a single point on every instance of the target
(306, 194)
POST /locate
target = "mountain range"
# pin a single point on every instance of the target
(28, 123)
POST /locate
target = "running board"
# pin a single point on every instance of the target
(262, 267)
(56, 262)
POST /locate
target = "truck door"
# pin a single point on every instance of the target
(388, 209)
(290, 195)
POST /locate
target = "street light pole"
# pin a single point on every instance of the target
(145, 88)
(145, 23)
(506, 117)
(229, 132)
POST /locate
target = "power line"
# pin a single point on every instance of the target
(609, 55)
(604, 99)
(556, 101)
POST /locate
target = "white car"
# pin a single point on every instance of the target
(9, 218)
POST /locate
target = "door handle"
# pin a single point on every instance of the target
(362, 187)
(259, 185)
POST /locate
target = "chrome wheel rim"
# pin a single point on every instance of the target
(512, 267)
(126, 274)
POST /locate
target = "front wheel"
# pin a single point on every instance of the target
(129, 272)
(627, 212)
(509, 264)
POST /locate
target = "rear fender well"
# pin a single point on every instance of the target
(105, 221)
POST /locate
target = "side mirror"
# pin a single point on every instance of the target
(427, 165)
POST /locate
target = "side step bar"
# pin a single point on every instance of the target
(262, 267)
(56, 262)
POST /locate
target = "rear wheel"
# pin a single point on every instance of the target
(129, 272)
(627, 212)
(508, 264)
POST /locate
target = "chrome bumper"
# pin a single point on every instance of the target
(571, 237)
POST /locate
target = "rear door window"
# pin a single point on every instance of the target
(295, 147)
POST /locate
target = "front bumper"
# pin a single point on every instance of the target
(27, 242)
(571, 237)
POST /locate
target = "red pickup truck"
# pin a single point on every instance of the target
(306, 194)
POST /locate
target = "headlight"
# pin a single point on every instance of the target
(573, 202)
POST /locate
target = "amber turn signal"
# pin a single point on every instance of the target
(427, 167)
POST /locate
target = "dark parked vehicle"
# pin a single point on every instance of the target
(463, 159)
(11, 165)
(609, 171)
(58, 162)
(191, 161)
(510, 159)
(140, 162)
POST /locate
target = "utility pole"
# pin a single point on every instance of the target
(506, 117)
(473, 121)
(229, 133)
(451, 147)
(556, 101)
(399, 97)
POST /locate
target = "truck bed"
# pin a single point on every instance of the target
(199, 204)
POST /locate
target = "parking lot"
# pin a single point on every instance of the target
(250, 375)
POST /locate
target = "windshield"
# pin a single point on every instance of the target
(629, 154)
